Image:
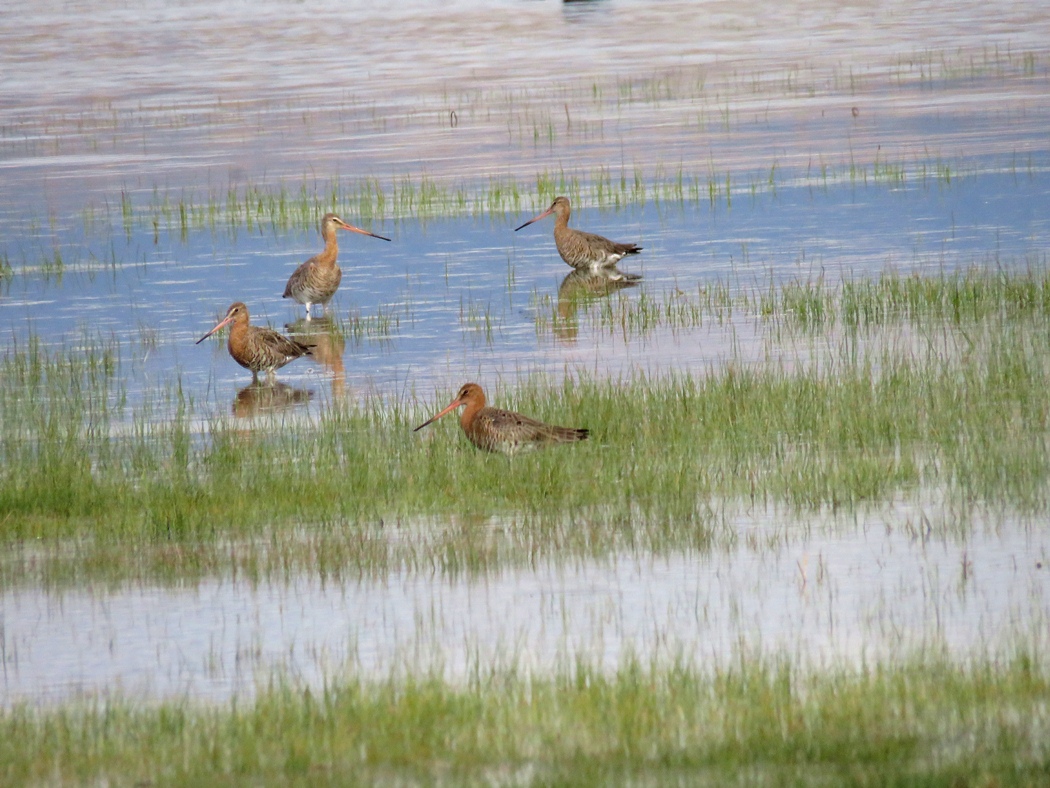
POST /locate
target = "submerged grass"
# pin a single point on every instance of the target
(925, 720)
(169, 499)
(282, 205)
(955, 299)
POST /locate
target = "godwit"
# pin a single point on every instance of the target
(255, 348)
(577, 248)
(502, 431)
(316, 280)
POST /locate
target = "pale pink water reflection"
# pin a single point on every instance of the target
(885, 585)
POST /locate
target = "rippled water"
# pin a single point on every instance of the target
(796, 103)
(194, 99)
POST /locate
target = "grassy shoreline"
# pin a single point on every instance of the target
(162, 499)
(921, 719)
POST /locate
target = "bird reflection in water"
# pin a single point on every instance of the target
(585, 285)
(327, 344)
(260, 398)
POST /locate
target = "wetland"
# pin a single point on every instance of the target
(806, 540)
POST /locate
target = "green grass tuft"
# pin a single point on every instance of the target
(869, 421)
(922, 720)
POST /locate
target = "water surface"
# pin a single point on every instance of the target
(822, 591)
(814, 141)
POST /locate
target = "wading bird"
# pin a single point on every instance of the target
(502, 431)
(579, 249)
(255, 348)
(316, 280)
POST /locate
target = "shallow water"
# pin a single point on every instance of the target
(821, 591)
(107, 104)
(468, 298)
(152, 103)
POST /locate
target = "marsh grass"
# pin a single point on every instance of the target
(961, 298)
(479, 319)
(383, 325)
(920, 719)
(282, 205)
(170, 496)
(531, 117)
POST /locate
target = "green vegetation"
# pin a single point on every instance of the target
(898, 389)
(714, 108)
(959, 407)
(965, 298)
(924, 720)
(280, 205)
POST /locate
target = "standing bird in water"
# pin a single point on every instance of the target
(255, 348)
(502, 431)
(316, 280)
(579, 249)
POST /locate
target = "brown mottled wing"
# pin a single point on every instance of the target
(580, 249)
(312, 283)
(268, 350)
(508, 432)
